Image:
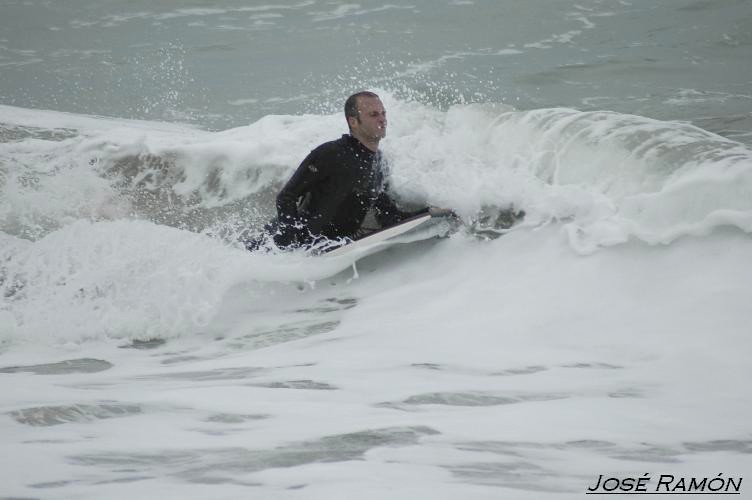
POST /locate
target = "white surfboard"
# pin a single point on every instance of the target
(383, 238)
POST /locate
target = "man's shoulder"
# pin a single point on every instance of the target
(325, 158)
(333, 146)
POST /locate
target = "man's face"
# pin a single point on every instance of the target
(371, 121)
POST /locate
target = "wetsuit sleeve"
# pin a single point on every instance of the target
(305, 176)
(291, 228)
(388, 213)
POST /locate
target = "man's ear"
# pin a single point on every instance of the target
(352, 121)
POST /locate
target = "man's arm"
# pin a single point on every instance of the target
(291, 227)
(306, 176)
(388, 213)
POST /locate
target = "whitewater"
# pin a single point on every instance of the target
(144, 353)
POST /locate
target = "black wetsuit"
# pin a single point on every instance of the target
(330, 194)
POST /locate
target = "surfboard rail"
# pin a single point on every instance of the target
(380, 237)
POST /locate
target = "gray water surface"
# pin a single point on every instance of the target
(223, 63)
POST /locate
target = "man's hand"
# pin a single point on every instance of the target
(441, 212)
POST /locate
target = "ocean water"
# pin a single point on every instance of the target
(145, 354)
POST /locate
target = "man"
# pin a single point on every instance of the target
(339, 182)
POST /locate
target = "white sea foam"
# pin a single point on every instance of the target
(113, 20)
(610, 176)
(131, 280)
(607, 177)
(350, 10)
(463, 368)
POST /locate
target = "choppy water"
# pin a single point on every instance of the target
(144, 353)
(222, 63)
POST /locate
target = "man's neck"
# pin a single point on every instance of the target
(373, 145)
